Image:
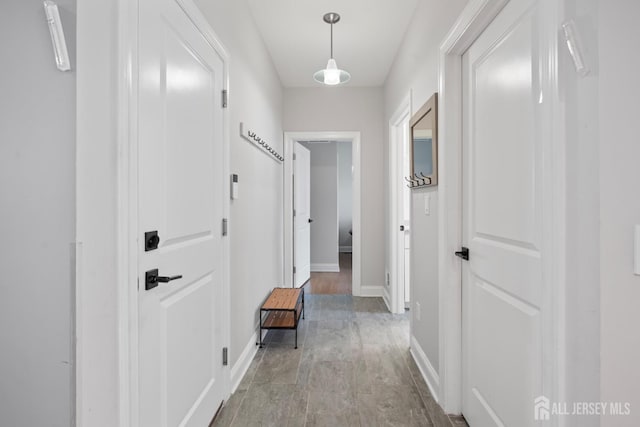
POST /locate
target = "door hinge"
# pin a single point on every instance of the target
(294, 212)
(225, 360)
(294, 156)
(225, 225)
(294, 269)
(225, 98)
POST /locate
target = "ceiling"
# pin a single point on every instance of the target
(365, 41)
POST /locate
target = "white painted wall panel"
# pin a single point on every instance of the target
(415, 71)
(350, 109)
(37, 227)
(255, 226)
(619, 92)
(345, 194)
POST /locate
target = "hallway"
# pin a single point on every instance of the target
(352, 369)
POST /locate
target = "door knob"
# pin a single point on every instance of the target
(463, 253)
(310, 220)
(152, 279)
(402, 228)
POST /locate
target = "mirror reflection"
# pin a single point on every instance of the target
(424, 145)
(422, 149)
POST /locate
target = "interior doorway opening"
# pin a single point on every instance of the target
(334, 211)
(331, 230)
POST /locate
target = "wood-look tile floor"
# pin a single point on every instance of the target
(352, 368)
(332, 283)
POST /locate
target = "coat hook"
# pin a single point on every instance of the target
(426, 178)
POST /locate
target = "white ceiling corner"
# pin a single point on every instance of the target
(365, 40)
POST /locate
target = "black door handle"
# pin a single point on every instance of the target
(166, 279)
(463, 253)
(310, 220)
(152, 279)
(402, 228)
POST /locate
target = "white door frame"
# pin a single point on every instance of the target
(289, 139)
(121, 60)
(476, 16)
(396, 289)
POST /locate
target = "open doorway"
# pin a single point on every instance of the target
(331, 220)
(334, 211)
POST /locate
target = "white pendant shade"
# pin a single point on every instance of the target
(332, 75)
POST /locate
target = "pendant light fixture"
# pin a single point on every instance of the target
(331, 75)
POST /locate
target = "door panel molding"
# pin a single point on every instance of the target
(474, 19)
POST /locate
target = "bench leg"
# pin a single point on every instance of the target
(296, 338)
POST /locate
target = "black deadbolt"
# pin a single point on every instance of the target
(151, 240)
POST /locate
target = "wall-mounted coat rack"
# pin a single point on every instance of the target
(251, 136)
(418, 180)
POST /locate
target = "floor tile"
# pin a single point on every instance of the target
(352, 367)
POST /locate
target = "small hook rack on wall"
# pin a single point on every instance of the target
(251, 136)
(418, 180)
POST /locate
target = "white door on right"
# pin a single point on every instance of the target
(502, 227)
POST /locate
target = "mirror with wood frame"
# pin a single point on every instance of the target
(424, 143)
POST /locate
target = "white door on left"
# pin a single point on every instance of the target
(302, 215)
(180, 193)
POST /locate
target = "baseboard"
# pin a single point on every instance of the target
(347, 249)
(325, 268)
(429, 374)
(244, 361)
(387, 298)
(371, 291)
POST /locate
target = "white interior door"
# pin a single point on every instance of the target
(181, 196)
(403, 212)
(502, 226)
(302, 212)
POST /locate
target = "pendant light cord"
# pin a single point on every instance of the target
(331, 40)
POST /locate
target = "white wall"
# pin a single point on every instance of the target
(345, 195)
(324, 206)
(37, 195)
(582, 318)
(619, 110)
(415, 71)
(350, 109)
(255, 227)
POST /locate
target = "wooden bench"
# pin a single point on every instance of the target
(282, 310)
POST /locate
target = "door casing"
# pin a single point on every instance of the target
(473, 20)
(124, 127)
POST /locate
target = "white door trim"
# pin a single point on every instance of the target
(472, 21)
(123, 29)
(289, 139)
(397, 303)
